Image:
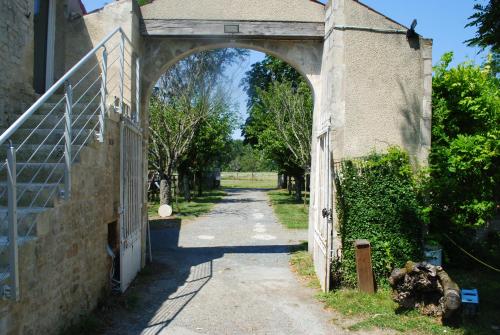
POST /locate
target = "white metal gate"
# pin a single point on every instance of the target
(323, 223)
(131, 192)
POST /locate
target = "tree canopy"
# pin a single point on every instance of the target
(189, 107)
(280, 110)
(465, 154)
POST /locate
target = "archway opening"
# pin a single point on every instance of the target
(241, 118)
(265, 110)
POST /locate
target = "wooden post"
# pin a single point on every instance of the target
(364, 266)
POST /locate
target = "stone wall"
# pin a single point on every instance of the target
(65, 271)
(16, 58)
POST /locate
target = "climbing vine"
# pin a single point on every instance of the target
(377, 201)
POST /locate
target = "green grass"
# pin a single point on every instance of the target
(290, 213)
(366, 311)
(188, 210)
(265, 180)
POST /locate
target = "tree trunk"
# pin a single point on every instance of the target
(298, 188)
(289, 185)
(185, 187)
(426, 287)
(165, 189)
(199, 179)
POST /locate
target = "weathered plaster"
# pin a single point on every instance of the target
(250, 10)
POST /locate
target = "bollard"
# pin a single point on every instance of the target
(364, 266)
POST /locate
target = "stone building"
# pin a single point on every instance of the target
(80, 197)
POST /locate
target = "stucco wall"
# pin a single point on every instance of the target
(249, 10)
(16, 58)
(375, 90)
(66, 269)
(384, 87)
(380, 84)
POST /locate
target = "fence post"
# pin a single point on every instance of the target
(12, 221)
(137, 90)
(68, 140)
(122, 69)
(102, 115)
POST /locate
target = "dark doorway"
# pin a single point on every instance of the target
(41, 20)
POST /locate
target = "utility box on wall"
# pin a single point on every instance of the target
(364, 266)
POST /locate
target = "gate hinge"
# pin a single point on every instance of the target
(327, 213)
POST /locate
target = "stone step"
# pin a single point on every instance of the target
(48, 136)
(39, 153)
(32, 194)
(36, 172)
(26, 217)
(4, 249)
(52, 121)
(4, 274)
(85, 107)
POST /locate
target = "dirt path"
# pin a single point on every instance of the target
(225, 273)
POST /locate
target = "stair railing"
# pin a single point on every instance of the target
(33, 167)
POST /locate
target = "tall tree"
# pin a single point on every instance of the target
(280, 116)
(465, 154)
(487, 21)
(185, 97)
(211, 141)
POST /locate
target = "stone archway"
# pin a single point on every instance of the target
(305, 56)
(371, 79)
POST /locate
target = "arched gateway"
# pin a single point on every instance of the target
(370, 75)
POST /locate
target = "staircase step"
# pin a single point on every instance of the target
(25, 217)
(4, 240)
(36, 172)
(47, 136)
(49, 122)
(4, 274)
(84, 107)
(39, 153)
(32, 194)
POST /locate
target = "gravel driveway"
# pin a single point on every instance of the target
(225, 273)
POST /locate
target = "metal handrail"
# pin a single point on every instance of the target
(44, 155)
(25, 116)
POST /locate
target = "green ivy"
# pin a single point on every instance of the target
(377, 201)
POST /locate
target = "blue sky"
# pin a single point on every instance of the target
(442, 20)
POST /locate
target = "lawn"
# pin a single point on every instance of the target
(365, 311)
(188, 210)
(263, 180)
(291, 213)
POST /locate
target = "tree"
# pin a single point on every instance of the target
(465, 155)
(487, 20)
(211, 140)
(260, 77)
(186, 96)
(291, 109)
(280, 116)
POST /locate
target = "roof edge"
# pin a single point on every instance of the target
(381, 14)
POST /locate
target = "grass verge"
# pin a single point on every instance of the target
(378, 311)
(194, 208)
(265, 180)
(290, 213)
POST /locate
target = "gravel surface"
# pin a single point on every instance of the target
(225, 273)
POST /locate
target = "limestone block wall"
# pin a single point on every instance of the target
(65, 271)
(16, 58)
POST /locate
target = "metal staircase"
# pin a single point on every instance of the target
(38, 150)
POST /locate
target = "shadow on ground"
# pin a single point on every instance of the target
(176, 276)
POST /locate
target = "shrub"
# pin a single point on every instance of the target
(377, 201)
